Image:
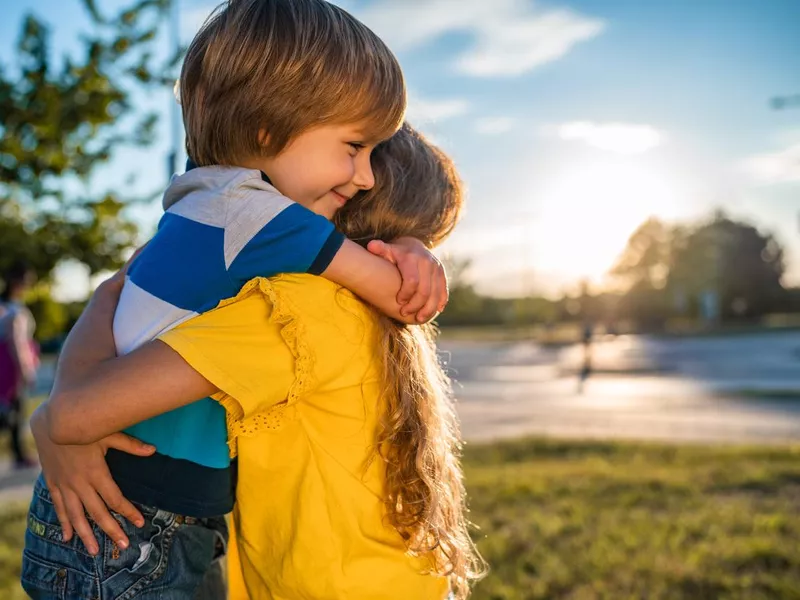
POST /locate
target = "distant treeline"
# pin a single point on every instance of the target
(718, 272)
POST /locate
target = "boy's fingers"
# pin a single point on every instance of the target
(423, 291)
(411, 277)
(445, 299)
(128, 444)
(99, 512)
(61, 512)
(382, 249)
(79, 522)
(444, 290)
(427, 312)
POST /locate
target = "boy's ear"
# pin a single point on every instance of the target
(263, 137)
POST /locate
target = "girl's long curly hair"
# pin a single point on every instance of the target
(418, 194)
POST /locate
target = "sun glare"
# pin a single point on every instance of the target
(589, 212)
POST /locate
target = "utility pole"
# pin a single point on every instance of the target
(174, 108)
(782, 102)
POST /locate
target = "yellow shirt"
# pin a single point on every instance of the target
(297, 362)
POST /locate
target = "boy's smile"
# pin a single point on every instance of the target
(322, 168)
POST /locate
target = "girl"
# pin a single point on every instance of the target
(342, 420)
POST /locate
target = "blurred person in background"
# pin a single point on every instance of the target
(19, 356)
(587, 334)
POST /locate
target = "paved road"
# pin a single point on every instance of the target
(679, 390)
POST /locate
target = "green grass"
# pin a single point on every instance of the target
(564, 520)
(617, 521)
(12, 533)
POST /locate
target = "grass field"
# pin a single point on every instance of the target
(624, 521)
(585, 520)
(12, 531)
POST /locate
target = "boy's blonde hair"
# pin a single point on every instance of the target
(281, 67)
(417, 193)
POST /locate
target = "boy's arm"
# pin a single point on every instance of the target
(268, 234)
(403, 279)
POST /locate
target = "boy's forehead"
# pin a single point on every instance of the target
(363, 132)
(366, 132)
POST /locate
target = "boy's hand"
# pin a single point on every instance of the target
(78, 479)
(424, 289)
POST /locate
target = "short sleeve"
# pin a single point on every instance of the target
(241, 350)
(263, 239)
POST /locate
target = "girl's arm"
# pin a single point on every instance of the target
(96, 394)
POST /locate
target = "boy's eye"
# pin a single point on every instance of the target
(356, 146)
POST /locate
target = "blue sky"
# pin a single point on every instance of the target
(571, 121)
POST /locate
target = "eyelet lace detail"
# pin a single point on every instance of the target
(285, 314)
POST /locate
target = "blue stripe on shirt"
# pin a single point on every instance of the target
(169, 268)
(289, 243)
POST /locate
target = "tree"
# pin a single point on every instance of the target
(59, 123)
(645, 260)
(465, 305)
(644, 266)
(669, 268)
(735, 260)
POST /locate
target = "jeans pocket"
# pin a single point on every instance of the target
(45, 580)
(42, 580)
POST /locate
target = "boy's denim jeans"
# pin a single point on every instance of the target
(167, 559)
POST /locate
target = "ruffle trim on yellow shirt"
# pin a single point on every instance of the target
(285, 314)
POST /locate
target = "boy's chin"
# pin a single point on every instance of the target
(325, 209)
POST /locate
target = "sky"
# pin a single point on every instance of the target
(571, 121)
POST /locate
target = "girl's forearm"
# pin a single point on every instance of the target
(97, 393)
(118, 392)
(89, 343)
(91, 340)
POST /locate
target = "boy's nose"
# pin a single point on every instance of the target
(363, 177)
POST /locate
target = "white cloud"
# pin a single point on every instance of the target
(422, 110)
(622, 138)
(511, 37)
(494, 125)
(517, 44)
(776, 167)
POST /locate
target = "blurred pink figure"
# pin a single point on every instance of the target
(19, 356)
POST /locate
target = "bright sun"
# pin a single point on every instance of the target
(587, 213)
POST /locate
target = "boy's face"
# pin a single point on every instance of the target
(322, 168)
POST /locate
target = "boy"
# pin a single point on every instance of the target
(294, 94)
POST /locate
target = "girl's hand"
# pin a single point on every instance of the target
(80, 482)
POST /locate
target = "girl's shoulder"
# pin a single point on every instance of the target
(316, 298)
(313, 308)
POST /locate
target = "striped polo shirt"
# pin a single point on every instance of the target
(222, 226)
